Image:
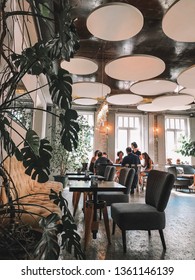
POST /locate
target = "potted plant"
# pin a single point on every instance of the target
(39, 59)
(187, 147)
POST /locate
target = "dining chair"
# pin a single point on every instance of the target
(111, 173)
(111, 197)
(180, 182)
(149, 215)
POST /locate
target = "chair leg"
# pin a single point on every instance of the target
(106, 223)
(149, 232)
(113, 227)
(124, 241)
(162, 238)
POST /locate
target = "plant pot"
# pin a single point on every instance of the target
(62, 179)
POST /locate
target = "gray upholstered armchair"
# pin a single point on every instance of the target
(112, 197)
(149, 215)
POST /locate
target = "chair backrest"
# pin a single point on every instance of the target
(112, 173)
(129, 180)
(158, 189)
(172, 170)
(101, 167)
(123, 175)
(107, 172)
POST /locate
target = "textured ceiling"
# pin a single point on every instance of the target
(151, 40)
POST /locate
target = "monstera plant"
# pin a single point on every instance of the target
(39, 59)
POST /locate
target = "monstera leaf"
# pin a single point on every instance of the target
(6, 140)
(70, 129)
(33, 60)
(36, 157)
(61, 89)
(48, 247)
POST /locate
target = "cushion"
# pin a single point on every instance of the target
(137, 216)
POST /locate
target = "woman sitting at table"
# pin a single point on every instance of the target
(120, 155)
(93, 159)
(147, 165)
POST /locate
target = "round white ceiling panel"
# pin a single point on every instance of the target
(124, 99)
(85, 101)
(188, 91)
(79, 66)
(179, 21)
(181, 108)
(186, 78)
(115, 21)
(90, 90)
(149, 107)
(170, 101)
(135, 67)
(153, 87)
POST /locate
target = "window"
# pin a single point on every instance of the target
(128, 130)
(175, 127)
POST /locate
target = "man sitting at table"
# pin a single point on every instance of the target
(131, 160)
(100, 164)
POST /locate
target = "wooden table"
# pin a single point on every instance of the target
(81, 177)
(76, 195)
(183, 175)
(91, 220)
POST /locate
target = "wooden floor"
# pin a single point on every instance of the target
(179, 233)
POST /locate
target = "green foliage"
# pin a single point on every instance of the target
(62, 160)
(187, 147)
(42, 58)
(39, 59)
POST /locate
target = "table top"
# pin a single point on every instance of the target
(76, 173)
(85, 186)
(81, 177)
(186, 175)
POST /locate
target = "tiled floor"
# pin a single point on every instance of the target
(179, 234)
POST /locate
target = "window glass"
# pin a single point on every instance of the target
(128, 130)
(125, 121)
(122, 140)
(120, 121)
(173, 132)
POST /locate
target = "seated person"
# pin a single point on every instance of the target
(93, 159)
(119, 159)
(100, 164)
(146, 165)
(178, 161)
(169, 161)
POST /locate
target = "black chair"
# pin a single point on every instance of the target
(109, 173)
(149, 215)
(101, 167)
(180, 183)
(123, 175)
(112, 197)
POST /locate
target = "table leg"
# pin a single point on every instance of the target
(89, 210)
(76, 198)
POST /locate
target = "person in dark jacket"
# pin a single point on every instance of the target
(131, 160)
(100, 164)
